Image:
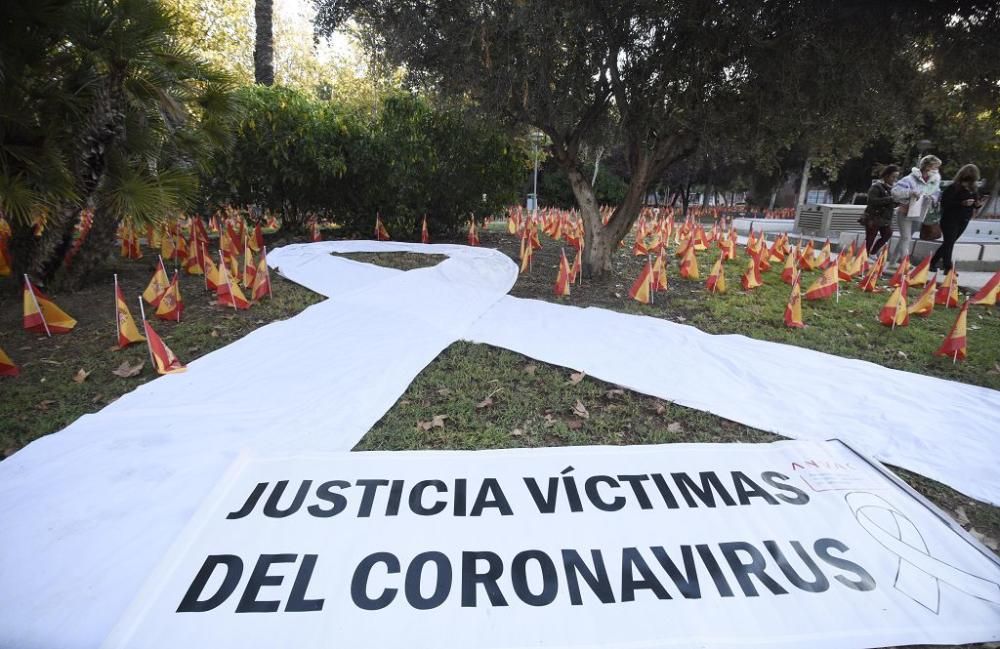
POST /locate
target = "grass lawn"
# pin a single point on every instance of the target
(476, 396)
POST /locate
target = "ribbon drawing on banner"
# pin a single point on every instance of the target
(918, 573)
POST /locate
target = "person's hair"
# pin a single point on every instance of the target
(928, 161)
(884, 171)
(968, 172)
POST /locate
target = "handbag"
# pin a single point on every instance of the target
(930, 229)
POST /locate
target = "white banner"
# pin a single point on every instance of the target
(713, 545)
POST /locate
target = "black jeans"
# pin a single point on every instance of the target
(876, 236)
(951, 231)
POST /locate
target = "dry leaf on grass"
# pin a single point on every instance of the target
(437, 421)
(81, 375)
(44, 405)
(580, 410)
(674, 427)
(574, 424)
(549, 420)
(517, 432)
(530, 369)
(125, 370)
(616, 392)
(576, 377)
(485, 403)
(444, 392)
(961, 516)
(214, 333)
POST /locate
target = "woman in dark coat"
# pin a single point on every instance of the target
(878, 215)
(959, 202)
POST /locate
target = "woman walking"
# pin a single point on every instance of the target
(915, 193)
(959, 201)
(878, 215)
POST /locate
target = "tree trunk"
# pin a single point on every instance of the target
(597, 165)
(263, 51)
(774, 198)
(804, 184)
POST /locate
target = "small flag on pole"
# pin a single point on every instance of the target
(425, 235)
(954, 344)
(894, 313)
(164, 359)
(171, 304)
(947, 294)
(7, 367)
(716, 282)
(41, 315)
(988, 294)
(641, 290)
(793, 309)
(825, 285)
(157, 285)
(924, 305)
(562, 279)
(128, 333)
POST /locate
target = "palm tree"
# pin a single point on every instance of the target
(112, 115)
(263, 51)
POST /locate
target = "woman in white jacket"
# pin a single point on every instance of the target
(916, 192)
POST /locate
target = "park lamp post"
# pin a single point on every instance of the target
(536, 140)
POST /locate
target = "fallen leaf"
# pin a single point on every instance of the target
(859, 325)
(517, 432)
(44, 405)
(674, 427)
(215, 333)
(424, 425)
(580, 410)
(681, 318)
(45, 360)
(576, 377)
(549, 420)
(97, 398)
(616, 392)
(438, 421)
(261, 322)
(81, 375)
(485, 403)
(125, 370)
(974, 327)
(660, 408)
(902, 353)
(530, 369)
(961, 516)
(574, 424)
(444, 392)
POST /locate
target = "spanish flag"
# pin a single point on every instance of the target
(924, 305)
(262, 279)
(901, 272)
(5, 260)
(870, 283)
(314, 234)
(716, 282)
(167, 248)
(639, 248)
(689, 263)
(894, 313)
(381, 234)
(425, 235)
(762, 263)
(256, 242)
(194, 263)
(562, 279)
(228, 292)
(163, 359)
(511, 223)
(776, 253)
(793, 309)
(825, 285)
(7, 367)
(128, 333)
(473, 235)
(41, 315)
(954, 342)
(788, 273)
(213, 276)
(824, 255)
(807, 258)
(642, 288)
(947, 294)
(576, 270)
(920, 272)
(527, 250)
(157, 285)
(751, 277)
(249, 269)
(660, 281)
(171, 304)
(987, 295)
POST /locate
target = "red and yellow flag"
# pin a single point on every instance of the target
(901, 272)
(163, 358)
(41, 315)
(807, 258)
(425, 235)
(825, 285)
(128, 332)
(920, 272)
(824, 255)
(639, 248)
(660, 281)
(947, 294)
(642, 287)
(262, 279)
(171, 304)
(527, 250)
(314, 234)
(473, 235)
(381, 234)
(716, 282)
(229, 294)
(870, 282)
(987, 295)
(562, 279)
(689, 263)
(788, 273)
(924, 305)
(7, 367)
(249, 269)
(751, 278)
(194, 264)
(213, 275)
(954, 343)
(157, 285)
(894, 312)
(793, 309)
(576, 270)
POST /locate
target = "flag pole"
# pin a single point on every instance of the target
(177, 295)
(652, 283)
(31, 289)
(225, 271)
(118, 327)
(149, 345)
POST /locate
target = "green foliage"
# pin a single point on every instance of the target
(403, 158)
